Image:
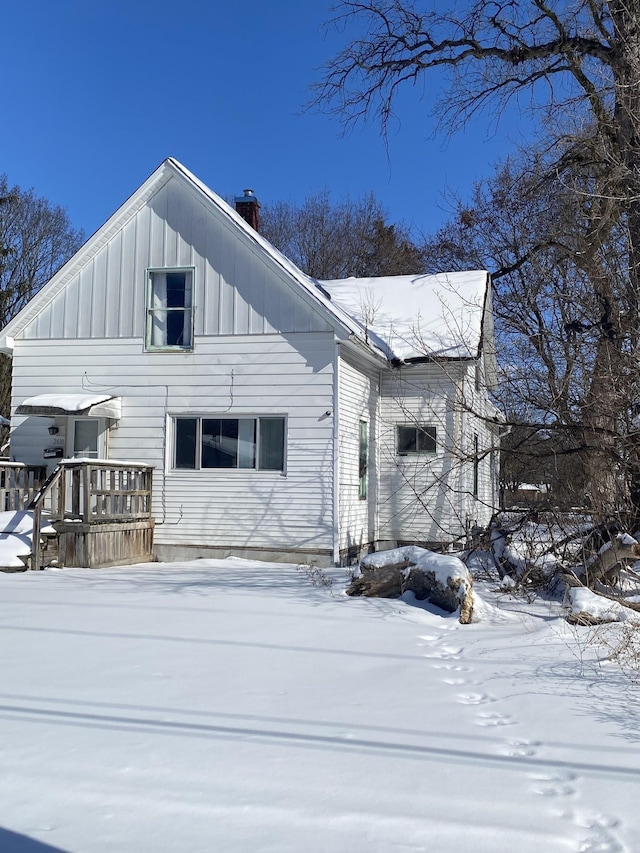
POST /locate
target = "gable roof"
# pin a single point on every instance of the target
(344, 325)
(397, 317)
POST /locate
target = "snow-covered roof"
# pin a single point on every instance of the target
(344, 324)
(309, 285)
(50, 405)
(396, 317)
(415, 316)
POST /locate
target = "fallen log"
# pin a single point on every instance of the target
(605, 566)
(441, 578)
(586, 607)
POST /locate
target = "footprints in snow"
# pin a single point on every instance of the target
(523, 748)
(555, 785)
(451, 667)
(448, 655)
(562, 787)
(475, 698)
(495, 720)
(601, 838)
(443, 653)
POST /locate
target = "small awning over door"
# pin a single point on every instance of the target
(75, 405)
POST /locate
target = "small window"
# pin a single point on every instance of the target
(476, 464)
(170, 309)
(271, 445)
(363, 461)
(86, 434)
(478, 375)
(416, 439)
(244, 443)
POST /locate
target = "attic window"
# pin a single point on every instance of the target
(170, 309)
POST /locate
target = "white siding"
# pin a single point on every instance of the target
(250, 375)
(420, 495)
(357, 394)
(262, 346)
(238, 288)
(431, 498)
(479, 507)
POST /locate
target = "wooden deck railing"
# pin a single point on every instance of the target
(19, 483)
(105, 491)
(93, 492)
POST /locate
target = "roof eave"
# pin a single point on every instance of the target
(358, 344)
(342, 323)
(423, 359)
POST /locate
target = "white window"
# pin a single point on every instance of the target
(170, 309)
(256, 444)
(416, 439)
(87, 438)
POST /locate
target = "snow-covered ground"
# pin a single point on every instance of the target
(236, 706)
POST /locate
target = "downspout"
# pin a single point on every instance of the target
(336, 455)
(377, 463)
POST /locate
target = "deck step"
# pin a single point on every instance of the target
(20, 557)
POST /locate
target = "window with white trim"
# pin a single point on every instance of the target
(86, 437)
(254, 444)
(415, 439)
(170, 309)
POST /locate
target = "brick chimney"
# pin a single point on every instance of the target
(248, 207)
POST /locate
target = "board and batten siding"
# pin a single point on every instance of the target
(357, 396)
(420, 497)
(238, 288)
(236, 375)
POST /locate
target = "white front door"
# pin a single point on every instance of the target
(87, 438)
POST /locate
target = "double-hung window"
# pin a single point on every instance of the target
(170, 309)
(416, 439)
(254, 444)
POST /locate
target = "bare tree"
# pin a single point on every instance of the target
(335, 240)
(36, 239)
(554, 324)
(577, 64)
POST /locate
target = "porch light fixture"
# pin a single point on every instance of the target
(53, 430)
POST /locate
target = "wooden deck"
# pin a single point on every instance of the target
(100, 510)
(19, 483)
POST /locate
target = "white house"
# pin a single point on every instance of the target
(284, 417)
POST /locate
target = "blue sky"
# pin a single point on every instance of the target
(96, 94)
